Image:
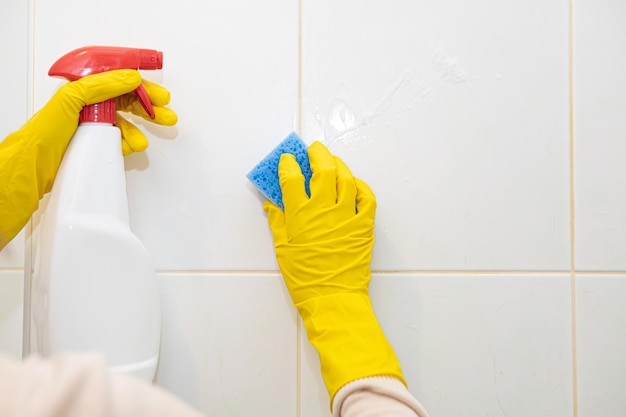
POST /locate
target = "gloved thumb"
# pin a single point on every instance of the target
(99, 87)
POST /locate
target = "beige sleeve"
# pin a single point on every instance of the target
(376, 396)
(74, 385)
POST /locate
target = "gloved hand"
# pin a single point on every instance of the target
(133, 139)
(30, 157)
(324, 249)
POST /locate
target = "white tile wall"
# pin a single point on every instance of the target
(14, 71)
(11, 313)
(12, 256)
(456, 113)
(229, 343)
(472, 344)
(601, 342)
(14, 75)
(232, 69)
(600, 128)
(600, 177)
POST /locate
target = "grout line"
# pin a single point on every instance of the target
(28, 252)
(220, 272)
(11, 269)
(298, 366)
(504, 274)
(572, 207)
(407, 272)
(30, 58)
(600, 273)
(299, 326)
(299, 127)
(470, 272)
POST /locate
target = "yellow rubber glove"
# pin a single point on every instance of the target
(324, 249)
(30, 157)
(133, 139)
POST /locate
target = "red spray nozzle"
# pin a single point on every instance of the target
(94, 59)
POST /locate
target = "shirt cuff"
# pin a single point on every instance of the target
(375, 396)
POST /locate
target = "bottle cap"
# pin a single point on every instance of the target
(103, 112)
(94, 59)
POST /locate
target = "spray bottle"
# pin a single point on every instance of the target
(94, 285)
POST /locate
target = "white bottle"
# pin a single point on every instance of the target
(94, 288)
(96, 281)
(93, 285)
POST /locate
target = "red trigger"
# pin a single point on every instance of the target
(144, 99)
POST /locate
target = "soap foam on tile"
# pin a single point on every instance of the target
(265, 174)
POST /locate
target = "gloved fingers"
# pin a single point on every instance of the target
(159, 95)
(324, 178)
(133, 139)
(346, 187)
(162, 115)
(276, 221)
(365, 200)
(291, 182)
(99, 87)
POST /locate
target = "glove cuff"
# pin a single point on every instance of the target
(349, 340)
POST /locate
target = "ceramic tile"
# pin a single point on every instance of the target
(11, 312)
(600, 164)
(13, 21)
(12, 255)
(472, 345)
(456, 114)
(601, 341)
(231, 68)
(14, 24)
(229, 344)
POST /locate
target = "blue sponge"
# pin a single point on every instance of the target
(265, 174)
